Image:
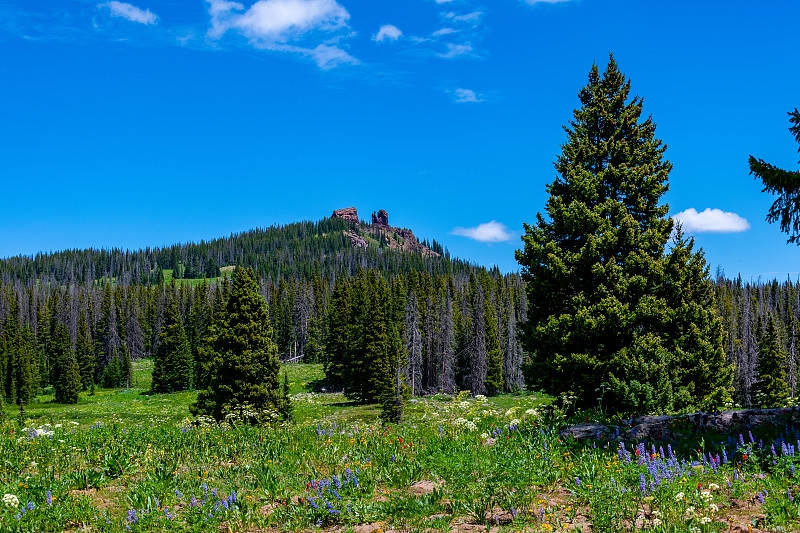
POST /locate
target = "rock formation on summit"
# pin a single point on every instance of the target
(380, 233)
(382, 218)
(348, 213)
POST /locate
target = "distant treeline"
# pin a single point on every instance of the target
(454, 318)
(457, 322)
(293, 251)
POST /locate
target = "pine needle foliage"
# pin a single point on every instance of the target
(770, 388)
(784, 183)
(610, 308)
(66, 377)
(173, 367)
(244, 381)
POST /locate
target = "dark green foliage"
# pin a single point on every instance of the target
(173, 366)
(784, 183)
(770, 388)
(64, 367)
(26, 369)
(84, 352)
(391, 386)
(606, 311)
(494, 354)
(245, 370)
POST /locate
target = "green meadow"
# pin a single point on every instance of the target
(125, 460)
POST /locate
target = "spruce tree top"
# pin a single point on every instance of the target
(604, 216)
(610, 311)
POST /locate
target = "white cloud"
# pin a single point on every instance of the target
(443, 1)
(287, 26)
(443, 31)
(130, 12)
(488, 232)
(388, 32)
(473, 17)
(466, 95)
(534, 2)
(456, 50)
(711, 221)
(328, 57)
(268, 22)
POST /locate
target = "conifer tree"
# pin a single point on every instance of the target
(494, 354)
(245, 371)
(64, 367)
(770, 388)
(784, 183)
(87, 362)
(600, 313)
(391, 393)
(172, 368)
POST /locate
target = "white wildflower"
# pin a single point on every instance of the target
(656, 522)
(514, 422)
(679, 497)
(480, 398)
(713, 487)
(484, 436)
(705, 495)
(705, 520)
(11, 500)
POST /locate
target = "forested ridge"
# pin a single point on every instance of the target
(457, 322)
(114, 304)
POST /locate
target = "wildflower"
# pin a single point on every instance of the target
(49, 499)
(713, 487)
(11, 500)
(656, 522)
(679, 497)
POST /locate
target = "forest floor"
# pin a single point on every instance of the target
(125, 460)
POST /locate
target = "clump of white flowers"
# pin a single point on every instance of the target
(466, 424)
(11, 500)
(480, 398)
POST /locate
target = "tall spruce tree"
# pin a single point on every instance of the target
(600, 314)
(245, 370)
(770, 388)
(784, 183)
(65, 376)
(173, 369)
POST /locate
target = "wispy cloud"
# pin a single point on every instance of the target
(472, 18)
(487, 232)
(466, 95)
(286, 26)
(456, 50)
(534, 2)
(711, 221)
(388, 32)
(130, 12)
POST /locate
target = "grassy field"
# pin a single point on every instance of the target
(129, 461)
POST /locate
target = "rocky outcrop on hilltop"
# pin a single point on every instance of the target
(381, 219)
(348, 213)
(381, 233)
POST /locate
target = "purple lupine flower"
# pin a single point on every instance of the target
(643, 484)
(132, 517)
(31, 506)
(789, 494)
(214, 493)
(49, 499)
(578, 481)
(774, 453)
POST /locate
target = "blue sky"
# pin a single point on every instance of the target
(160, 121)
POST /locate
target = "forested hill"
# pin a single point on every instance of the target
(457, 320)
(301, 249)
